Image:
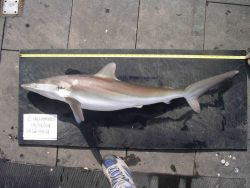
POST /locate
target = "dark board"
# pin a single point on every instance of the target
(222, 123)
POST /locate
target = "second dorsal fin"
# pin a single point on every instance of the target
(108, 71)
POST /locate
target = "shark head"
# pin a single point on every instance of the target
(53, 88)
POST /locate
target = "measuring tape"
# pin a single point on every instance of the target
(161, 56)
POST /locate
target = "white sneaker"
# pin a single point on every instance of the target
(117, 172)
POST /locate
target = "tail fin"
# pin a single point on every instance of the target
(194, 91)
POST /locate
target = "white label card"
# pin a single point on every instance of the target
(40, 127)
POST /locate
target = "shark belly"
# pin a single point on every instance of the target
(112, 101)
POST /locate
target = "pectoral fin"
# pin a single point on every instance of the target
(76, 108)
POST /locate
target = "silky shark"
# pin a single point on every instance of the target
(103, 91)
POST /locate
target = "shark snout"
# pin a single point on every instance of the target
(40, 87)
(29, 86)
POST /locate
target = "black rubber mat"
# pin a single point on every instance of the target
(222, 123)
(207, 182)
(15, 175)
(27, 176)
(200, 182)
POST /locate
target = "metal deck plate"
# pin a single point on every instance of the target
(11, 7)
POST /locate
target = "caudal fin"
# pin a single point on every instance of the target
(194, 91)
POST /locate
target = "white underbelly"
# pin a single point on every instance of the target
(113, 101)
(105, 105)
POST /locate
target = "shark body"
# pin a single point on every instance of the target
(103, 91)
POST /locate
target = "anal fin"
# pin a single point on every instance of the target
(76, 108)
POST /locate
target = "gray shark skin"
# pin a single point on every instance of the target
(104, 92)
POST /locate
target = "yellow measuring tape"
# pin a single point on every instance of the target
(163, 56)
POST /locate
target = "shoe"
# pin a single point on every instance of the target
(117, 172)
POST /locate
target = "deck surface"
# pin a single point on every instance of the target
(162, 24)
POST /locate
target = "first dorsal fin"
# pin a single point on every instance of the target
(108, 71)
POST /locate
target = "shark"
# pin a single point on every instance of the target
(103, 91)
